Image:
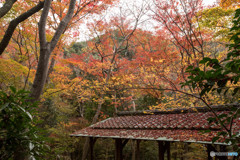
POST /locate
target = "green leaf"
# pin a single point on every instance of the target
(4, 106)
(211, 119)
(222, 116)
(222, 133)
(204, 60)
(215, 139)
(189, 68)
(13, 89)
(31, 146)
(27, 113)
(206, 131)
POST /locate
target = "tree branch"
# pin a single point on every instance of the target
(62, 25)
(42, 23)
(6, 7)
(14, 23)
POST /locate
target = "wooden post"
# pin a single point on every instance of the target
(223, 149)
(161, 150)
(138, 150)
(119, 144)
(134, 149)
(208, 152)
(118, 149)
(210, 148)
(92, 142)
(167, 146)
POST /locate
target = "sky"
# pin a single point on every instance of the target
(84, 33)
(209, 2)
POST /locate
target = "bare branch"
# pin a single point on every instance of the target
(14, 23)
(6, 7)
(63, 24)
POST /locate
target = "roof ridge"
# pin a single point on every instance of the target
(225, 107)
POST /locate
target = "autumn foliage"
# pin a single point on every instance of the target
(121, 65)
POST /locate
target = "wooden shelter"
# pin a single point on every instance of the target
(183, 125)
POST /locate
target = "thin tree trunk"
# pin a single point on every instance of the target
(87, 141)
(46, 48)
(115, 51)
(50, 69)
(41, 73)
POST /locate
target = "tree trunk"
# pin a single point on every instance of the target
(50, 69)
(87, 141)
(20, 154)
(46, 48)
(136, 149)
(41, 73)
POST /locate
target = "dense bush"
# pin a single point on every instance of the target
(17, 126)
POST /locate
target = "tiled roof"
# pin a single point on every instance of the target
(173, 127)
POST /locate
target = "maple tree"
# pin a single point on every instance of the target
(103, 64)
(205, 83)
(222, 77)
(120, 66)
(15, 22)
(62, 18)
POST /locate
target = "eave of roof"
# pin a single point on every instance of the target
(145, 138)
(175, 125)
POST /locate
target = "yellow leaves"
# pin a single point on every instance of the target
(148, 112)
(161, 60)
(13, 73)
(228, 3)
(107, 98)
(194, 109)
(157, 61)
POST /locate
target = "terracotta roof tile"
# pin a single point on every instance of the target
(174, 127)
(170, 121)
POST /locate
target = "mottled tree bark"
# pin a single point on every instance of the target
(46, 48)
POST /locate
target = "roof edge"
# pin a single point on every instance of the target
(150, 139)
(225, 107)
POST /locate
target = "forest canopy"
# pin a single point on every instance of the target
(148, 55)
